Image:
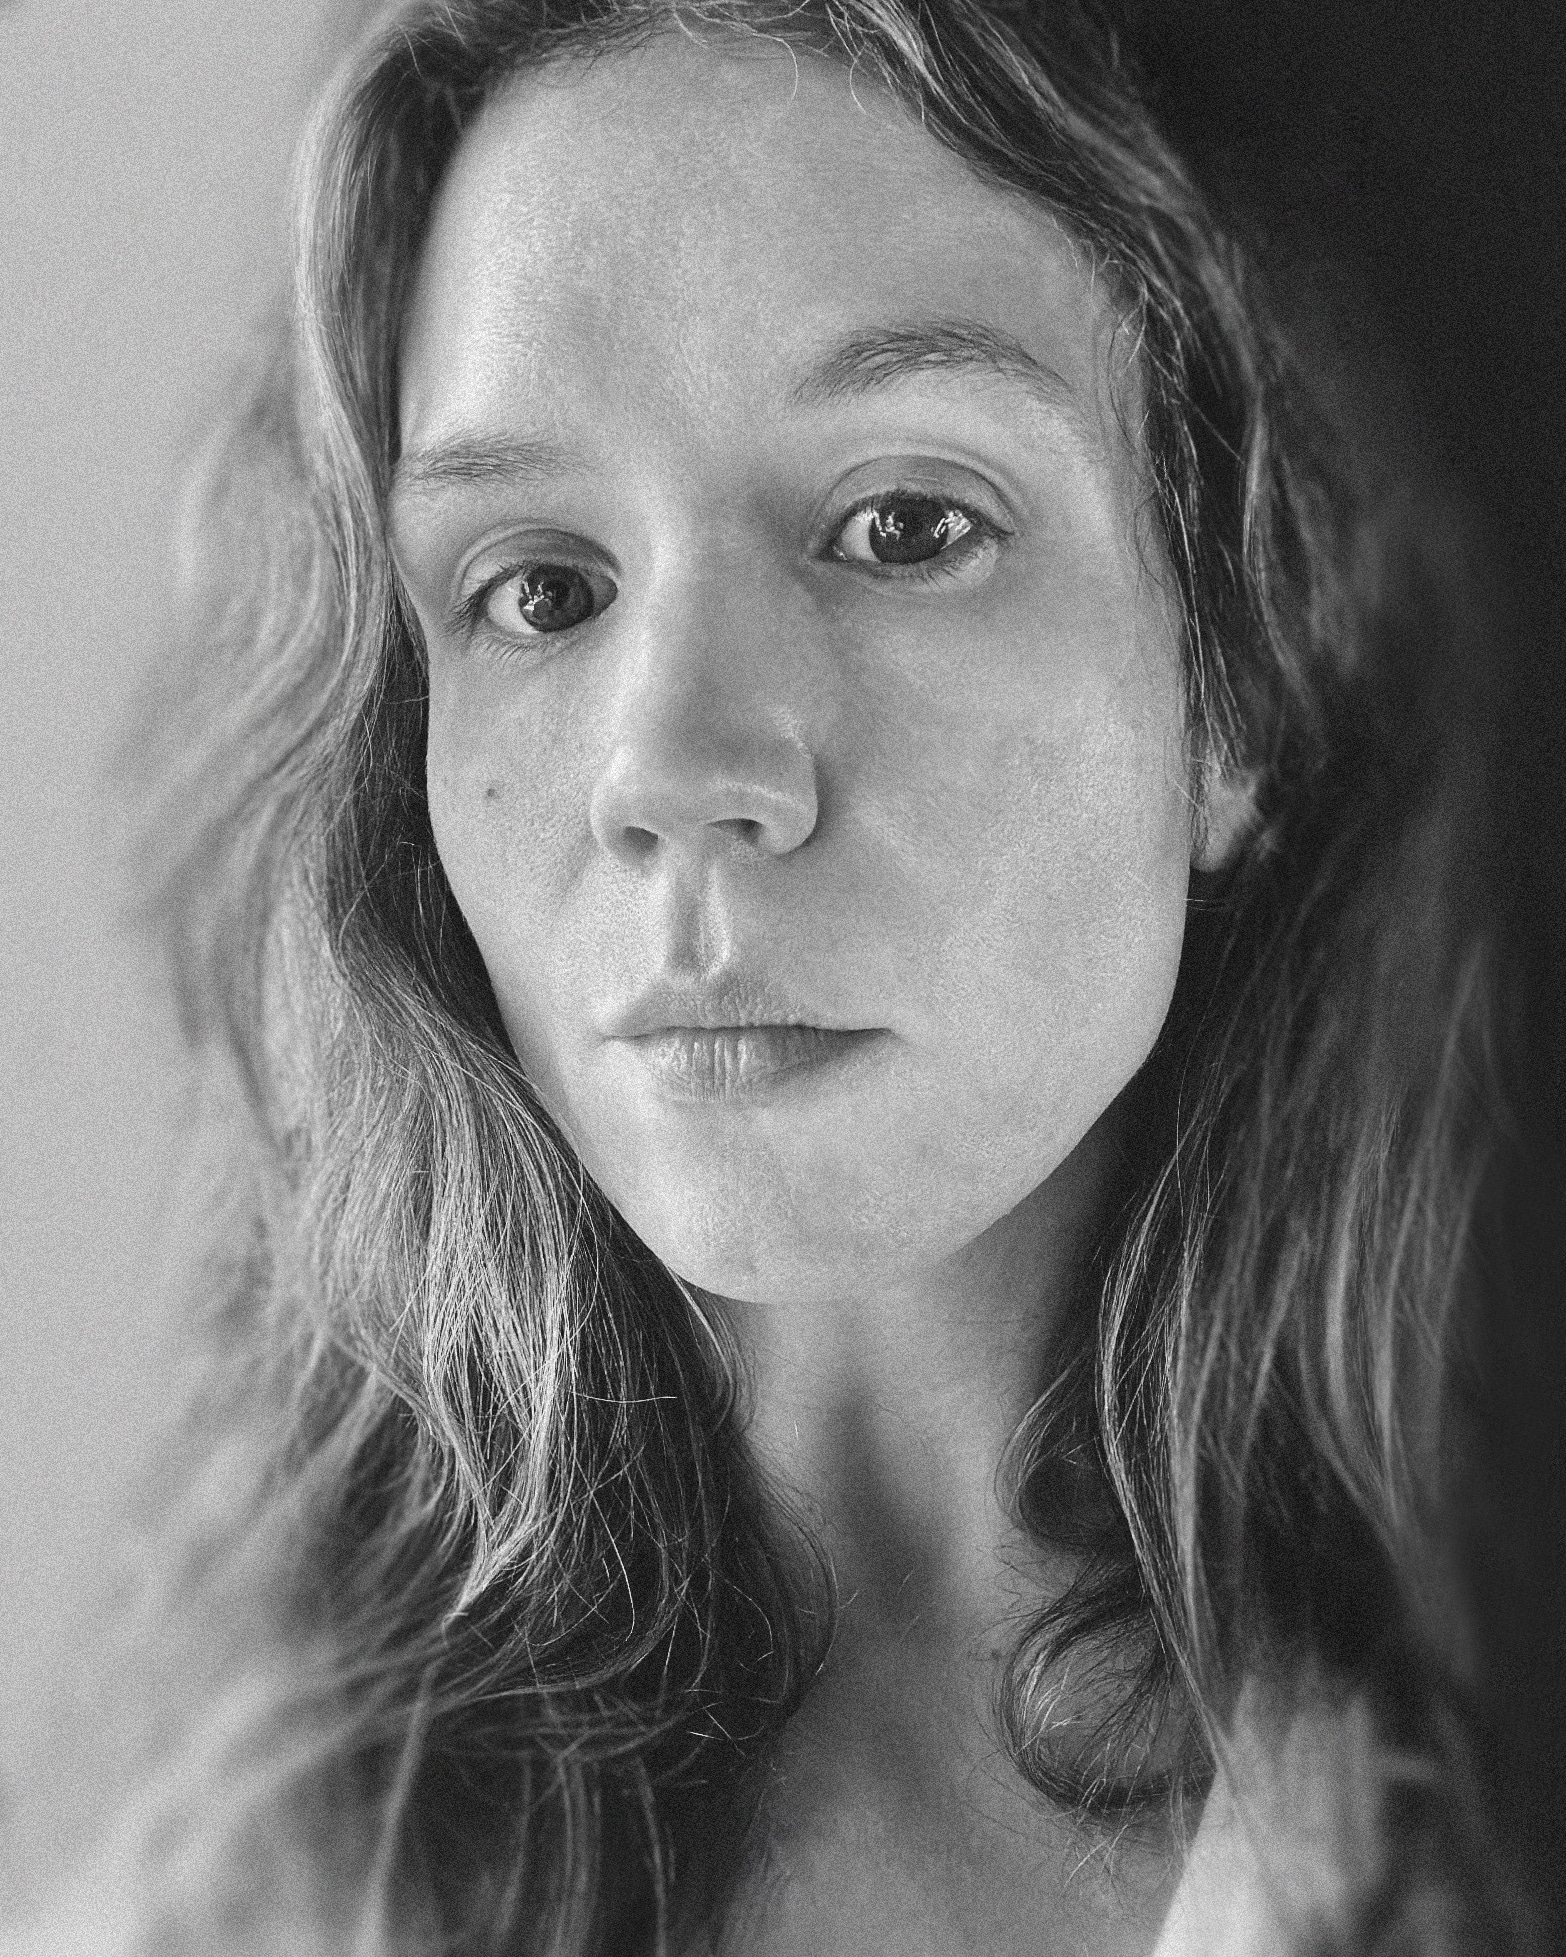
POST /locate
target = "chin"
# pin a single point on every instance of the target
(756, 1246)
(731, 1258)
(757, 1240)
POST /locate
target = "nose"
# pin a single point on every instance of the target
(702, 748)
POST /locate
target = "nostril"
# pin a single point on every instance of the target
(657, 790)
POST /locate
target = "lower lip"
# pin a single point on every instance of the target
(717, 1063)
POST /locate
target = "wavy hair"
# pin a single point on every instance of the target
(520, 1620)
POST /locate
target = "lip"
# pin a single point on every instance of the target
(719, 1063)
(730, 1001)
(732, 1033)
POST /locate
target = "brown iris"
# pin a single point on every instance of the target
(553, 597)
(913, 528)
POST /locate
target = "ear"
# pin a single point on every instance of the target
(1225, 813)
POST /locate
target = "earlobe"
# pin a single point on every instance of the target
(1225, 814)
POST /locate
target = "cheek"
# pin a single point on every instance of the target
(1050, 828)
(502, 794)
(1062, 921)
(1111, 867)
(1044, 816)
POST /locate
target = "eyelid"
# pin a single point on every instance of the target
(520, 544)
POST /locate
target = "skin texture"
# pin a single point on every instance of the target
(956, 812)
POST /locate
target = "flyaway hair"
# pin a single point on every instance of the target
(516, 1618)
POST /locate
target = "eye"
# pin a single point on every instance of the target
(905, 528)
(531, 599)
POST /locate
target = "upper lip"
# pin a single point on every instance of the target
(727, 999)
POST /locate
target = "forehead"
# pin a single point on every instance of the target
(676, 228)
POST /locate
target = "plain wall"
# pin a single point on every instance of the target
(144, 155)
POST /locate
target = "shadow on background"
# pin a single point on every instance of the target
(1412, 161)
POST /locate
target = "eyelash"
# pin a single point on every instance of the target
(468, 616)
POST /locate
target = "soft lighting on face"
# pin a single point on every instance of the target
(806, 747)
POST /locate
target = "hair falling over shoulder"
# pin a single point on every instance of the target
(514, 1618)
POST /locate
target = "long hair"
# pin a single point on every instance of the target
(520, 1617)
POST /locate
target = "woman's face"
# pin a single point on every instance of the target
(806, 747)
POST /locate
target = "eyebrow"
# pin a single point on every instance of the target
(861, 364)
(471, 458)
(865, 362)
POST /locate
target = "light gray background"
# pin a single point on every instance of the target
(144, 156)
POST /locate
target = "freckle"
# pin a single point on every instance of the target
(492, 793)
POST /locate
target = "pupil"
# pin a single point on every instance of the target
(908, 532)
(554, 597)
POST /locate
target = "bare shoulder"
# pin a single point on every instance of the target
(1224, 1906)
(1289, 1841)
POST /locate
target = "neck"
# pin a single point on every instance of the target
(885, 1414)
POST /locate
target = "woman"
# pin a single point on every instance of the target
(839, 1326)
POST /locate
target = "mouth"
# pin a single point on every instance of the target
(715, 1063)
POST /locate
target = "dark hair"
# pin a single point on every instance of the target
(539, 1620)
